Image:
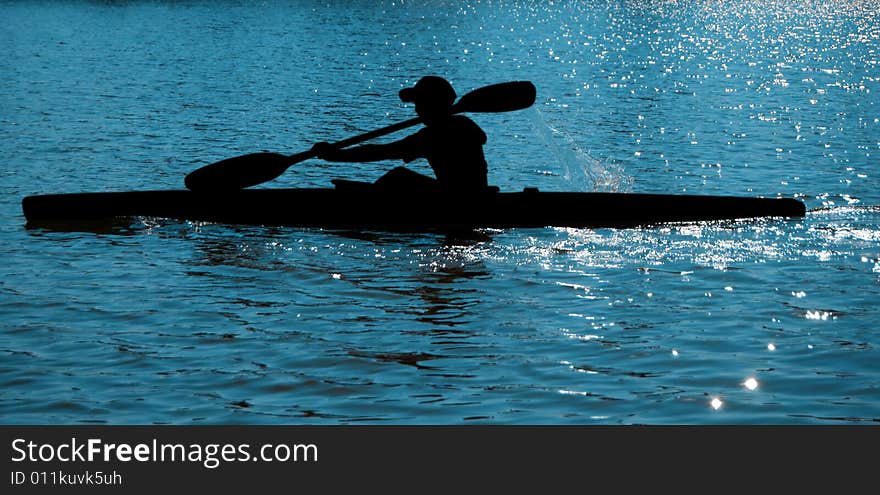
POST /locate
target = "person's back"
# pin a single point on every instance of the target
(452, 144)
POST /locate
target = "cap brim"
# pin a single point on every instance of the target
(408, 95)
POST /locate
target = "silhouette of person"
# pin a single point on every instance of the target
(452, 144)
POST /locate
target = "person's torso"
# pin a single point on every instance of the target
(454, 149)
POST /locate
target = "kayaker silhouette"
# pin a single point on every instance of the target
(452, 144)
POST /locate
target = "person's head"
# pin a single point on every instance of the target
(433, 97)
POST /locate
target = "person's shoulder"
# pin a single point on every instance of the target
(467, 126)
(462, 120)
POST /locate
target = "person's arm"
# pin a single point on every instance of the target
(406, 149)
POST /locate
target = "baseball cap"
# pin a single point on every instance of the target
(430, 88)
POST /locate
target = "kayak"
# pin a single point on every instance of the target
(367, 207)
(371, 208)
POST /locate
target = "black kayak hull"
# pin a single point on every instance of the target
(373, 209)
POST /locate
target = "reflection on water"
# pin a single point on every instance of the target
(113, 226)
(327, 326)
(292, 323)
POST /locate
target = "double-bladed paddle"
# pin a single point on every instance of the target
(255, 168)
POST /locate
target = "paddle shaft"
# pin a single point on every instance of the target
(305, 155)
(457, 108)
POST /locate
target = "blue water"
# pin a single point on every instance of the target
(772, 321)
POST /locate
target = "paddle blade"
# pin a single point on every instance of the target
(239, 172)
(502, 97)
